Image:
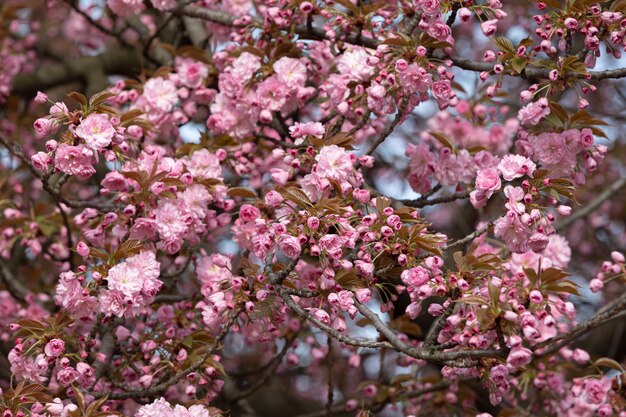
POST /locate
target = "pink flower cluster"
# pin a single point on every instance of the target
(131, 285)
(161, 408)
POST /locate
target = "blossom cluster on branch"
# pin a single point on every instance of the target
(201, 197)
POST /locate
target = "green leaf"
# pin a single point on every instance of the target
(100, 97)
(519, 63)
(241, 192)
(559, 111)
(609, 363)
(445, 141)
(78, 97)
(504, 44)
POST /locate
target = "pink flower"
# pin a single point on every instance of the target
(290, 71)
(313, 222)
(315, 129)
(518, 357)
(489, 27)
(40, 97)
(415, 277)
(442, 91)
(533, 112)
(290, 246)
(352, 65)
(279, 175)
(82, 249)
(550, 148)
(160, 94)
(54, 347)
(41, 161)
(66, 376)
(596, 390)
(55, 407)
(273, 198)
(617, 257)
(96, 130)
(415, 79)
(136, 275)
(513, 231)
(75, 160)
(580, 356)
(363, 295)
(571, 23)
(248, 212)
(364, 268)
(334, 162)
(163, 4)
(115, 181)
(488, 180)
(363, 196)
(537, 241)
(204, 164)
(516, 166)
(191, 73)
(499, 375)
(43, 126)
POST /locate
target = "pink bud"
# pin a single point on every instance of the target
(617, 257)
(40, 97)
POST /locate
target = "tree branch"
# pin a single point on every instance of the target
(122, 61)
(314, 33)
(13, 285)
(597, 202)
(557, 342)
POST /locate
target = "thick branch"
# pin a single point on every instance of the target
(122, 61)
(334, 333)
(13, 285)
(314, 33)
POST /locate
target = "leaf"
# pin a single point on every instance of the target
(99, 254)
(504, 44)
(100, 97)
(349, 280)
(550, 275)
(30, 324)
(519, 63)
(609, 363)
(78, 97)
(140, 176)
(381, 204)
(129, 247)
(341, 139)
(80, 398)
(445, 141)
(130, 115)
(296, 195)
(559, 111)
(565, 286)
(30, 390)
(241, 192)
(494, 294)
(395, 42)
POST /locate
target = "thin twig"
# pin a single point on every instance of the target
(469, 237)
(597, 202)
(160, 388)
